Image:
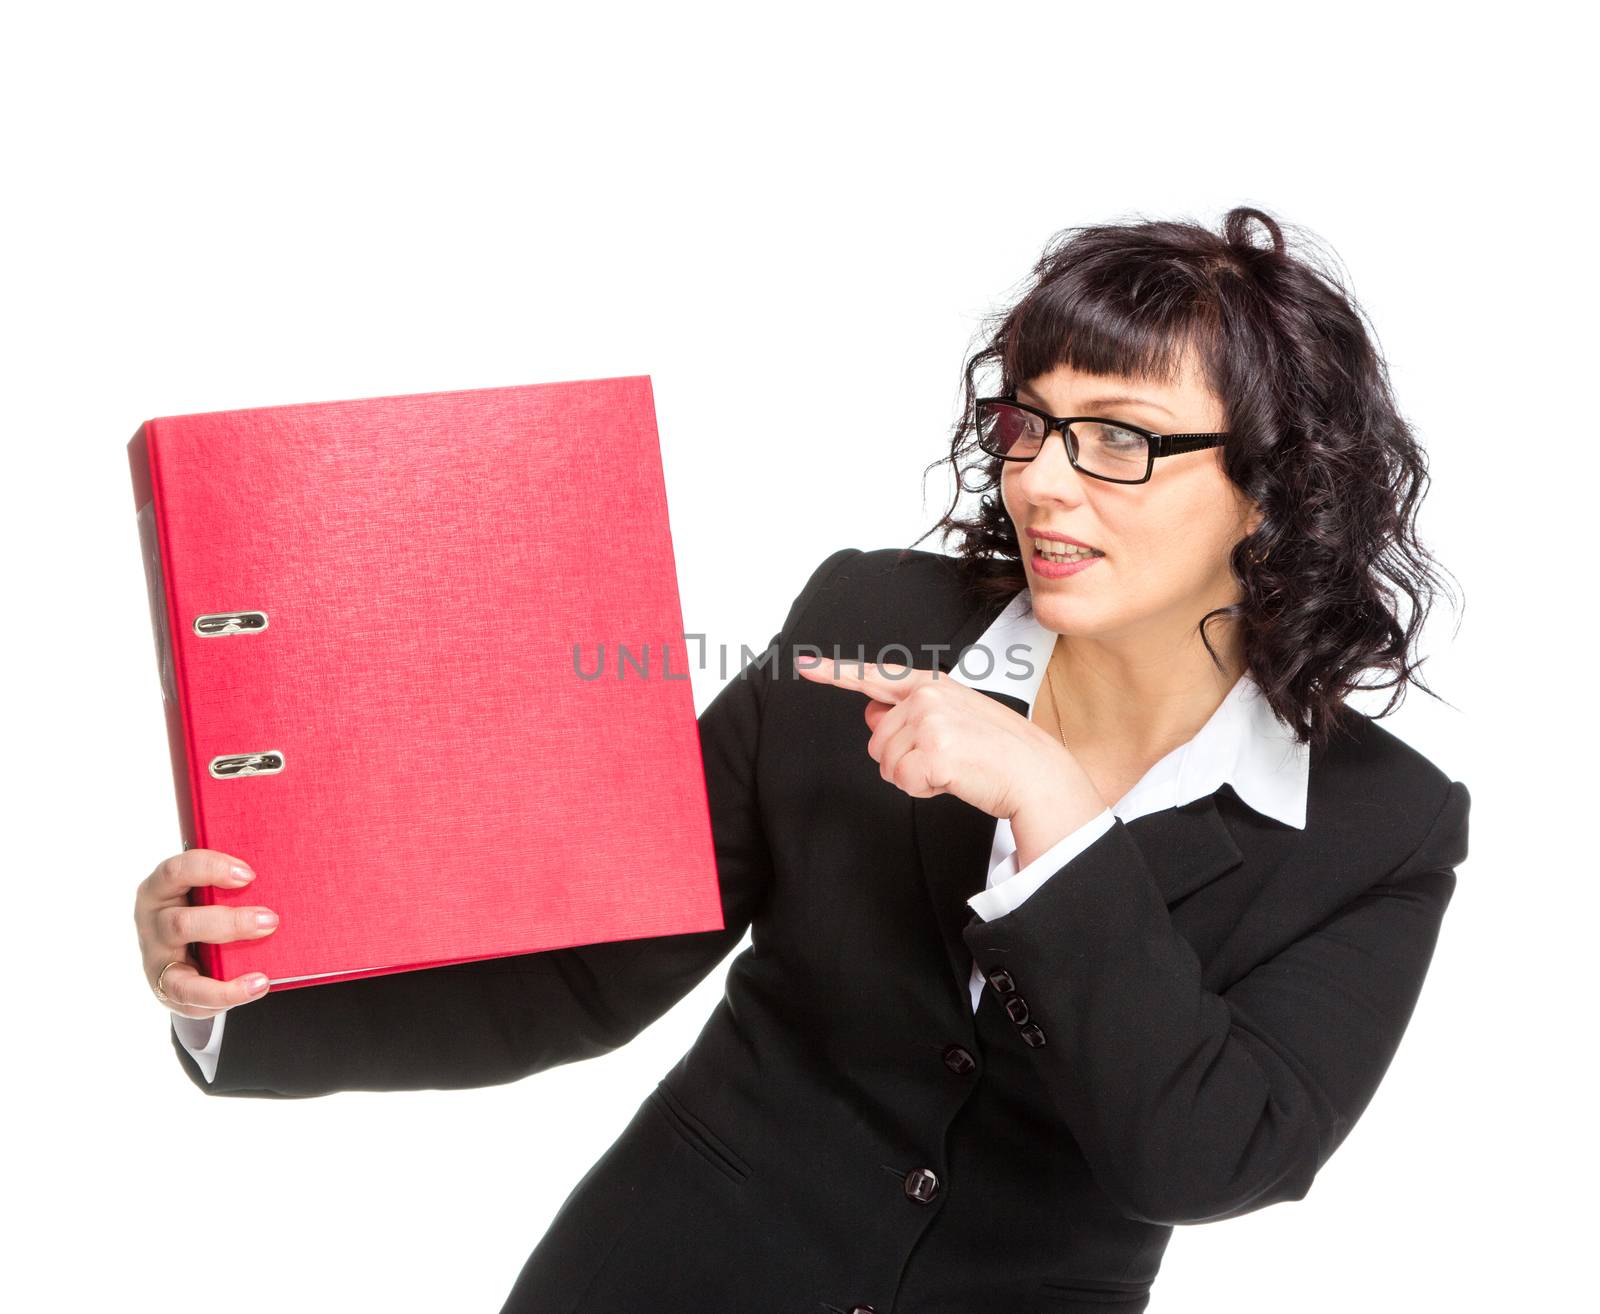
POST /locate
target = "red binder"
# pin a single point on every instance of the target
(424, 669)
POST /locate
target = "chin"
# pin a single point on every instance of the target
(1064, 615)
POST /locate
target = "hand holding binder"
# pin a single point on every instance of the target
(168, 923)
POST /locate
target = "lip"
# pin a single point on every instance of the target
(1060, 570)
(1061, 538)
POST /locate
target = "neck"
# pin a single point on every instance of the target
(1120, 703)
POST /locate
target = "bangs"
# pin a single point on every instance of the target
(1129, 320)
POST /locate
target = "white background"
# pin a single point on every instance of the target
(791, 219)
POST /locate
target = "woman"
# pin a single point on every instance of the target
(1081, 905)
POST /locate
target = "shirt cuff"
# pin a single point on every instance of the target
(202, 1037)
(1008, 887)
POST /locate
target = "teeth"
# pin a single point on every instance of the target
(1054, 551)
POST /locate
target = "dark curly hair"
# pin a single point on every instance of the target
(1316, 441)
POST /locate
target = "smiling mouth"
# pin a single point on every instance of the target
(1065, 553)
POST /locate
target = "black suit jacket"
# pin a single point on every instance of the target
(1180, 1026)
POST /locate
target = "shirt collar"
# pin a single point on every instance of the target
(1242, 743)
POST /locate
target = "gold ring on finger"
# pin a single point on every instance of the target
(160, 993)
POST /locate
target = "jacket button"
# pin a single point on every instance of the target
(1033, 1035)
(1001, 980)
(958, 1060)
(862, 1309)
(921, 1185)
(1017, 1006)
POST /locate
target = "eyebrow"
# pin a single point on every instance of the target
(1096, 403)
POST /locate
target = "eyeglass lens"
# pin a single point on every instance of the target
(1103, 449)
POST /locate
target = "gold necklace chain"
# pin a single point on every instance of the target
(1055, 697)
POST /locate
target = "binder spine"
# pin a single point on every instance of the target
(169, 662)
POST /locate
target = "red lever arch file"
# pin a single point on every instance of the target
(423, 666)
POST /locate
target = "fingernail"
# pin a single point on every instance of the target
(266, 919)
(255, 984)
(241, 874)
(806, 660)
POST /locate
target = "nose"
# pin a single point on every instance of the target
(1051, 473)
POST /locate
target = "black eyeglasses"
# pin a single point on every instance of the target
(1113, 450)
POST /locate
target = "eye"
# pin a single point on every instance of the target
(1110, 450)
(1110, 436)
(1008, 429)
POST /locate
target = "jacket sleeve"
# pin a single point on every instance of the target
(1008, 886)
(1191, 1106)
(495, 1020)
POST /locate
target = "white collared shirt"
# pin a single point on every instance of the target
(1242, 743)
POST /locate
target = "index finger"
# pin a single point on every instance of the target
(183, 871)
(887, 681)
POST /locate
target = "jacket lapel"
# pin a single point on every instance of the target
(1185, 847)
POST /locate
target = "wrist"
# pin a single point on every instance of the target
(1057, 802)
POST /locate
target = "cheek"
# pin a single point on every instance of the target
(1012, 499)
(1180, 545)
(1009, 498)
(1177, 570)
